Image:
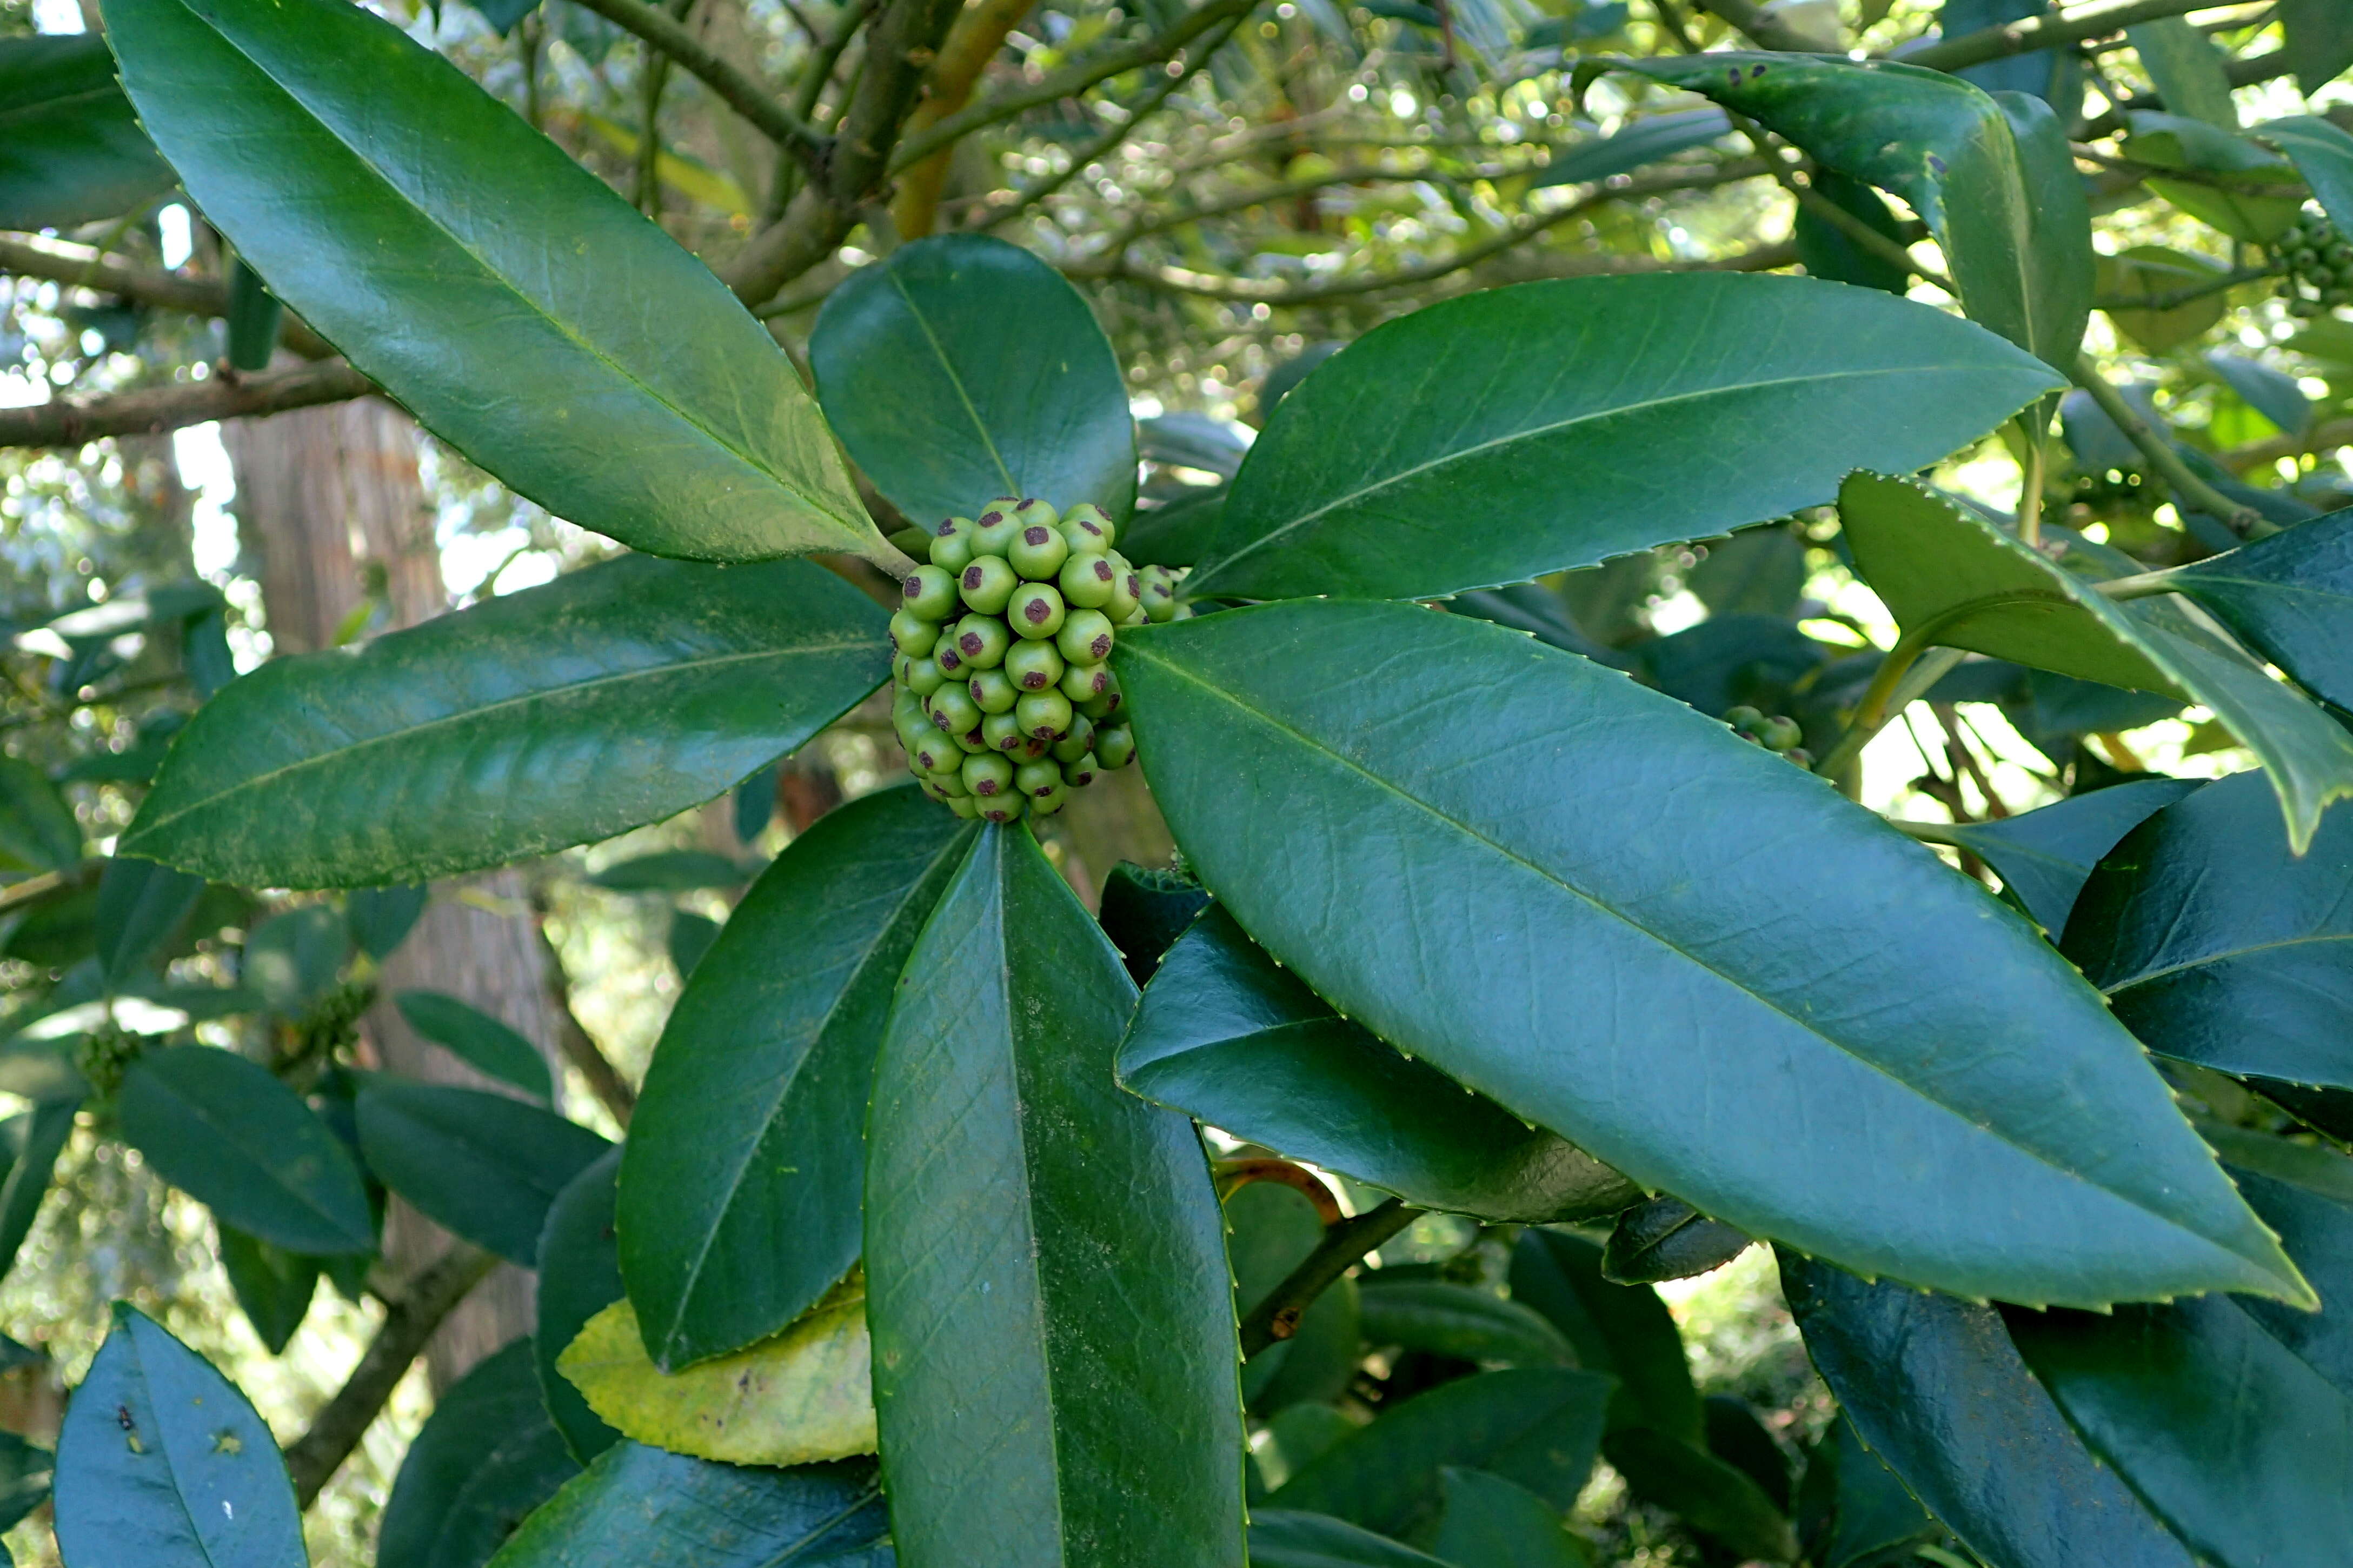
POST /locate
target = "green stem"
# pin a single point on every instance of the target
(1909, 670)
(2187, 487)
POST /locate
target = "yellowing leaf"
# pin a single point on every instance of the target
(802, 1395)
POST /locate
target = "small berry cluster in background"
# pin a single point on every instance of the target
(2319, 263)
(1776, 733)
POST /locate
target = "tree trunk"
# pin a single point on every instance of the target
(330, 500)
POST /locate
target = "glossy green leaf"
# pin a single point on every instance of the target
(1828, 251)
(2274, 394)
(579, 1276)
(1490, 1522)
(2043, 855)
(163, 1462)
(672, 871)
(273, 1284)
(382, 918)
(254, 314)
(690, 937)
(2319, 40)
(492, 285)
(1707, 1494)
(1623, 1330)
(1666, 1239)
(1535, 1426)
(2233, 1423)
(1269, 1230)
(1991, 173)
(1401, 468)
(1936, 1387)
(653, 1510)
(1634, 144)
(222, 1130)
(962, 369)
(2236, 204)
(1054, 1351)
(1145, 910)
(2188, 72)
(1453, 838)
(487, 1457)
(1288, 1538)
(292, 960)
(2218, 946)
(71, 148)
(1228, 1036)
(485, 1166)
(1953, 578)
(614, 696)
(1176, 532)
(1878, 1522)
(26, 1471)
(140, 907)
(1458, 1321)
(479, 1040)
(1757, 572)
(30, 1145)
(2289, 598)
(2151, 271)
(748, 1127)
(1736, 1436)
(37, 831)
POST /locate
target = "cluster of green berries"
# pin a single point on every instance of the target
(1774, 733)
(1003, 694)
(2319, 262)
(105, 1054)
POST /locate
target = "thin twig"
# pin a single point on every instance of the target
(2046, 31)
(579, 1047)
(86, 267)
(155, 409)
(2187, 487)
(2177, 298)
(1277, 1317)
(735, 89)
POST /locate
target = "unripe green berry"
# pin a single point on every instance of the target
(931, 593)
(964, 805)
(1044, 715)
(2320, 278)
(911, 634)
(2304, 310)
(987, 583)
(1029, 510)
(1048, 805)
(1003, 809)
(1126, 591)
(1779, 733)
(1085, 638)
(1077, 741)
(924, 676)
(1088, 526)
(2290, 239)
(993, 690)
(951, 549)
(935, 753)
(1034, 665)
(1103, 704)
(1035, 610)
(945, 787)
(1032, 747)
(1743, 716)
(1039, 552)
(952, 709)
(993, 532)
(1038, 778)
(970, 742)
(1002, 732)
(1086, 580)
(980, 642)
(1082, 681)
(1802, 757)
(987, 774)
(1159, 594)
(1082, 772)
(2339, 256)
(944, 655)
(1114, 747)
(2305, 261)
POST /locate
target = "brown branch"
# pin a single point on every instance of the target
(2240, 73)
(86, 267)
(738, 91)
(604, 1080)
(1277, 1317)
(1769, 31)
(971, 44)
(2048, 30)
(154, 409)
(409, 1320)
(2321, 438)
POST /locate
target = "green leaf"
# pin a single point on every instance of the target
(1228, 1036)
(2234, 1424)
(2149, 271)
(1878, 1522)
(1828, 251)
(1490, 1523)
(273, 1284)
(1634, 144)
(1535, 1426)
(26, 1471)
(487, 1457)
(1953, 578)
(2218, 946)
(492, 285)
(1709, 1495)
(612, 696)
(163, 1462)
(2289, 598)
(222, 1130)
(254, 314)
(1288, 1538)
(1458, 1321)
(2180, 60)
(962, 369)
(1269, 1230)
(37, 831)
(479, 1040)
(1623, 1330)
(748, 1127)
(485, 1166)
(690, 936)
(2319, 40)
(2233, 206)
(1145, 910)
(1054, 1341)
(1757, 572)
(382, 918)
(654, 1510)
(291, 960)
(1401, 468)
(579, 1276)
(672, 871)
(1991, 173)
(30, 1145)
(2043, 855)
(1936, 1387)
(1452, 838)
(1666, 1239)
(71, 148)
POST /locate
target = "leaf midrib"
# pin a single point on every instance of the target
(948, 369)
(327, 758)
(846, 1510)
(2224, 956)
(41, 108)
(201, 1112)
(1466, 831)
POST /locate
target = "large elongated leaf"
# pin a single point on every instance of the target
(30, 1145)
(2042, 857)
(37, 831)
(1936, 1387)
(965, 368)
(2233, 1422)
(1954, 578)
(653, 1510)
(273, 1286)
(612, 696)
(1461, 1322)
(139, 906)
(748, 1130)
(487, 1457)
(1230, 1035)
(1455, 837)
(1290, 1538)
(496, 288)
(1054, 1347)
(2290, 598)
(222, 1130)
(2323, 153)
(579, 1277)
(1631, 145)
(1490, 1522)
(1401, 468)
(71, 148)
(163, 1462)
(2217, 945)
(1625, 1331)
(480, 1041)
(485, 1166)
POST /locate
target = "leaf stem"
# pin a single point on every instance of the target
(1277, 1317)
(2187, 486)
(2139, 585)
(1909, 670)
